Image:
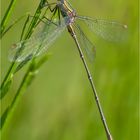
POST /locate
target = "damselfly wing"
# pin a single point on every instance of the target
(38, 43)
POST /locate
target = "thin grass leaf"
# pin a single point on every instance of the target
(3, 117)
(6, 16)
(8, 75)
(41, 61)
(24, 27)
(34, 68)
(14, 23)
(30, 78)
(34, 20)
(5, 89)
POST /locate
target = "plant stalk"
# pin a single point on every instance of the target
(6, 16)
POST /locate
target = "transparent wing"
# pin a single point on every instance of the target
(85, 43)
(108, 30)
(37, 44)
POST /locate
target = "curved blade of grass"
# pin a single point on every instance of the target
(3, 117)
(6, 16)
(14, 23)
(5, 88)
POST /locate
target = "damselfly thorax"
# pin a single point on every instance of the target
(66, 9)
(69, 13)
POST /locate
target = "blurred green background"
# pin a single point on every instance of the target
(59, 104)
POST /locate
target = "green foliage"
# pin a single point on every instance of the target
(30, 74)
(5, 88)
(6, 17)
(3, 117)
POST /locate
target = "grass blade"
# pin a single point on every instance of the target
(3, 118)
(6, 16)
(5, 89)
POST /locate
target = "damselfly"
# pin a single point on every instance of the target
(67, 19)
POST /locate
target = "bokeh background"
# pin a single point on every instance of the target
(59, 104)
